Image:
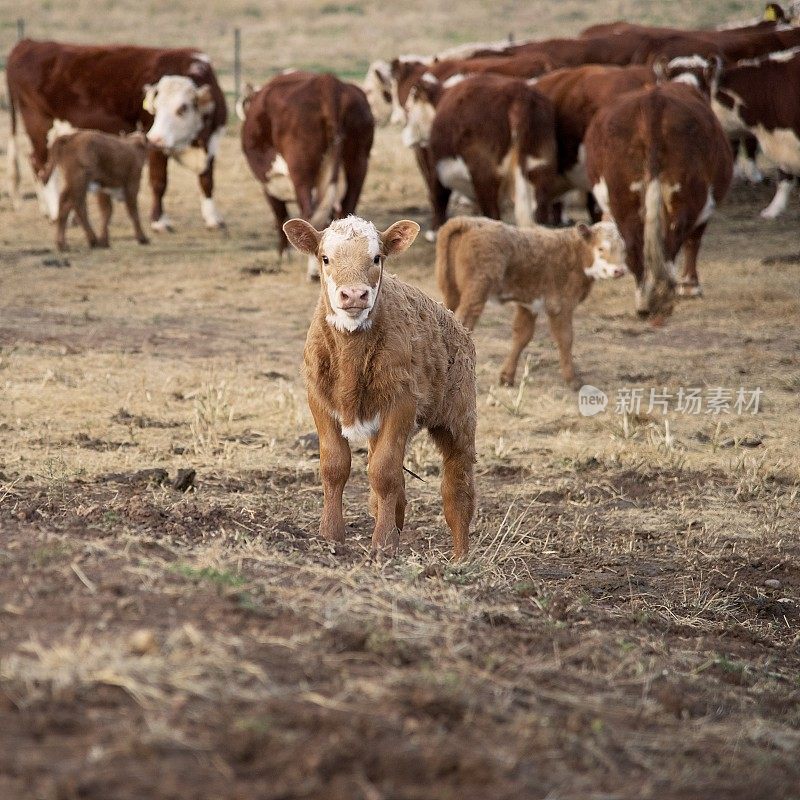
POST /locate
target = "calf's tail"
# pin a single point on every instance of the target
(445, 268)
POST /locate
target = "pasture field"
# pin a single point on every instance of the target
(628, 622)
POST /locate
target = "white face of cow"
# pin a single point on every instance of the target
(179, 108)
(419, 119)
(378, 88)
(608, 250)
(351, 253)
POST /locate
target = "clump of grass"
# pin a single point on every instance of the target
(213, 414)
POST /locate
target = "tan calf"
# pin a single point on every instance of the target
(381, 361)
(539, 269)
(95, 161)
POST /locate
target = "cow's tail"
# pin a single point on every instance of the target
(658, 291)
(328, 202)
(447, 237)
(13, 157)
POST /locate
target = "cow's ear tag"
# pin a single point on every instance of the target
(770, 15)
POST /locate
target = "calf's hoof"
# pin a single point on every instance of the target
(331, 531)
(143, 240)
(385, 546)
(102, 243)
(505, 379)
(689, 290)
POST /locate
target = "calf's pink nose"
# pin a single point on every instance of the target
(353, 296)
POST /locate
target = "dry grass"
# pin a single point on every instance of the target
(617, 630)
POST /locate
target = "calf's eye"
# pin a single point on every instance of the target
(376, 260)
(325, 260)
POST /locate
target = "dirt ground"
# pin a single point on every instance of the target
(628, 622)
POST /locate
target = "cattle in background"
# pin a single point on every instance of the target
(660, 164)
(493, 140)
(307, 138)
(172, 93)
(383, 360)
(762, 98)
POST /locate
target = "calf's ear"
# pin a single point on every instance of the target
(304, 237)
(584, 230)
(398, 237)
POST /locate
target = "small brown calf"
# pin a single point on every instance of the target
(94, 161)
(538, 269)
(383, 360)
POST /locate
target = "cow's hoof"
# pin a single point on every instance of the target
(767, 213)
(162, 225)
(103, 243)
(143, 240)
(689, 290)
(505, 380)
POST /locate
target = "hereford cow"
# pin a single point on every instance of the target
(173, 94)
(659, 163)
(91, 160)
(383, 360)
(538, 269)
(762, 98)
(307, 139)
(493, 139)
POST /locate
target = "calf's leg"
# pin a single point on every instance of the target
(334, 463)
(130, 193)
(79, 203)
(64, 207)
(471, 305)
(106, 207)
(522, 329)
(458, 487)
(386, 479)
(561, 330)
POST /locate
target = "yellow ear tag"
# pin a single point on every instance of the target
(770, 15)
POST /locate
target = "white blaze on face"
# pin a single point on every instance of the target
(419, 120)
(608, 250)
(339, 233)
(178, 108)
(377, 87)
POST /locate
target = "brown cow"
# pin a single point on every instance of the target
(538, 269)
(307, 138)
(493, 139)
(762, 97)
(114, 88)
(383, 360)
(95, 161)
(659, 163)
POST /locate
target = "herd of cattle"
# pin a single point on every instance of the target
(644, 121)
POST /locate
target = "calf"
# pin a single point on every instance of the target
(381, 361)
(539, 269)
(94, 161)
(307, 139)
(762, 98)
(659, 163)
(493, 139)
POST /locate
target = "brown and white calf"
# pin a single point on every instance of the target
(659, 163)
(307, 138)
(381, 361)
(101, 163)
(762, 97)
(540, 270)
(112, 88)
(493, 140)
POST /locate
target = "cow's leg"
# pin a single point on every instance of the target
(211, 216)
(781, 199)
(386, 480)
(593, 209)
(689, 283)
(458, 488)
(522, 329)
(130, 194)
(64, 207)
(631, 231)
(561, 330)
(334, 467)
(745, 158)
(281, 214)
(157, 161)
(106, 206)
(82, 213)
(487, 186)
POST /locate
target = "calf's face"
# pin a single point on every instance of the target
(179, 109)
(351, 253)
(608, 250)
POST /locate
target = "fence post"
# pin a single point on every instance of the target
(237, 62)
(20, 28)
